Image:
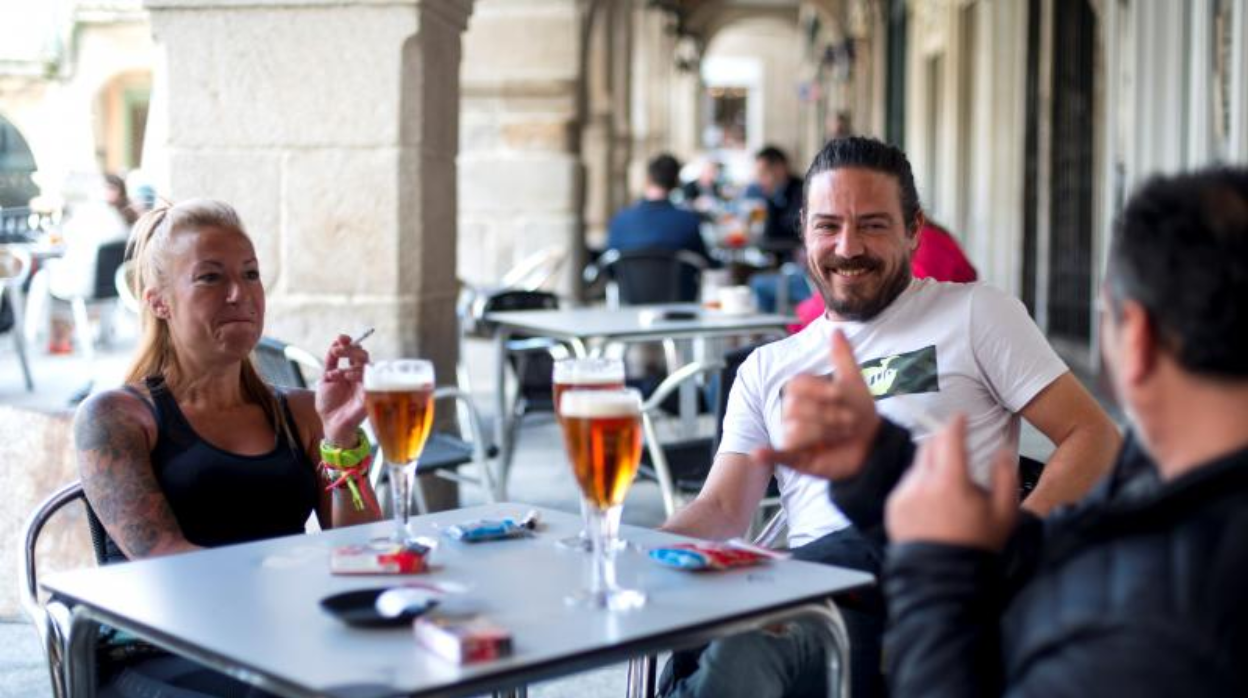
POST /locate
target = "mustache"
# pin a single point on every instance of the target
(860, 263)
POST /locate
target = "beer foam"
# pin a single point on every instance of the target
(393, 382)
(589, 371)
(599, 403)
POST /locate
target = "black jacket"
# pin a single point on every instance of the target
(1140, 590)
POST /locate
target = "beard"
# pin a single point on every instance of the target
(859, 304)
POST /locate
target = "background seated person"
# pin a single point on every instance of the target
(195, 450)
(938, 257)
(655, 222)
(705, 194)
(781, 194)
(1139, 589)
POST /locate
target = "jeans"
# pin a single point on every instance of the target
(765, 290)
(791, 663)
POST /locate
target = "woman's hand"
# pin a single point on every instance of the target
(340, 395)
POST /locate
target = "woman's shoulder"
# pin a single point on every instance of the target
(115, 412)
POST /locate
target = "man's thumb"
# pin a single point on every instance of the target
(843, 361)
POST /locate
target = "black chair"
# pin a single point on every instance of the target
(531, 360)
(642, 277)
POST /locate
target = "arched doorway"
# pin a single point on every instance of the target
(122, 107)
(750, 91)
(17, 164)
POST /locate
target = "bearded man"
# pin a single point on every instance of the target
(923, 347)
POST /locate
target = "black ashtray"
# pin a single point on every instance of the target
(359, 608)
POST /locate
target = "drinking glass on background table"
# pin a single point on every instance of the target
(585, 374)
(602, 433)
(399, 398)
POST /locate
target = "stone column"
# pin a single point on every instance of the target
(333, 128)
(520, 169)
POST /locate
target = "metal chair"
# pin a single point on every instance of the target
(680, 467)
(642, 277)
(109, 258)
(52, 618)
(531, 360)
(15, 265)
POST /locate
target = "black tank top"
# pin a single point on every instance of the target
(220, 497)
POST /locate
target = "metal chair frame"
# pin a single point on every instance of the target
(11, 284)
(53, 619)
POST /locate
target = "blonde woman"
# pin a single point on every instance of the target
(196, 450)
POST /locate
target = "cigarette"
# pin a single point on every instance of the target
(363, 336)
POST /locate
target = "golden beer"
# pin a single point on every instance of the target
(602, 433)
(402, 416)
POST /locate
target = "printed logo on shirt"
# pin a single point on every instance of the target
(902, 374)
(910, 373)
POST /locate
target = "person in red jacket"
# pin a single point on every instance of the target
(938, 257)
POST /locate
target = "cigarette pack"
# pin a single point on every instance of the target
(379, 558)
(462, 639)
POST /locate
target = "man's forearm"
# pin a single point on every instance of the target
(705, 518)
(1081, 459)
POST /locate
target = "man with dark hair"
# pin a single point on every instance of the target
(655, 222)
(1139, 589)
(923, 347)
(781, 194)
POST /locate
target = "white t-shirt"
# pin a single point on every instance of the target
(943, 348)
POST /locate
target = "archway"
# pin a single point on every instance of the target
(17, 164)
(122, 106)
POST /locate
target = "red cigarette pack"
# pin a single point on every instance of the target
(379, 558)
(462, 639)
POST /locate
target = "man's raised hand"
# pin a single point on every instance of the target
(829, 423)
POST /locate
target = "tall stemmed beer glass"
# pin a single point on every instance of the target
(399, 398)
(602, 432)
(585, 374)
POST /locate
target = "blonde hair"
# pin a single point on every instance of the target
(148, 250)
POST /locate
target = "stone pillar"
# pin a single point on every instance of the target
(333, 128)
(520, 169)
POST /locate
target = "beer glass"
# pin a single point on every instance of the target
(602, 433)
(585, 374)
(399, 398)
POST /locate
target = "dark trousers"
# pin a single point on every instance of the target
(789, 664)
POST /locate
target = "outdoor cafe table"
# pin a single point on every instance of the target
(588, 331)
(252, 610)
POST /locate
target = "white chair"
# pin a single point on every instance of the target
(14, 270)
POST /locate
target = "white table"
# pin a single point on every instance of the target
(252, 610)
(589, 330)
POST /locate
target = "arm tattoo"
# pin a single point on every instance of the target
(115, 466)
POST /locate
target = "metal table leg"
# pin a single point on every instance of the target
(502, 415)
(642, 677)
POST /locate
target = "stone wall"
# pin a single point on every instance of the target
(38, 455)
